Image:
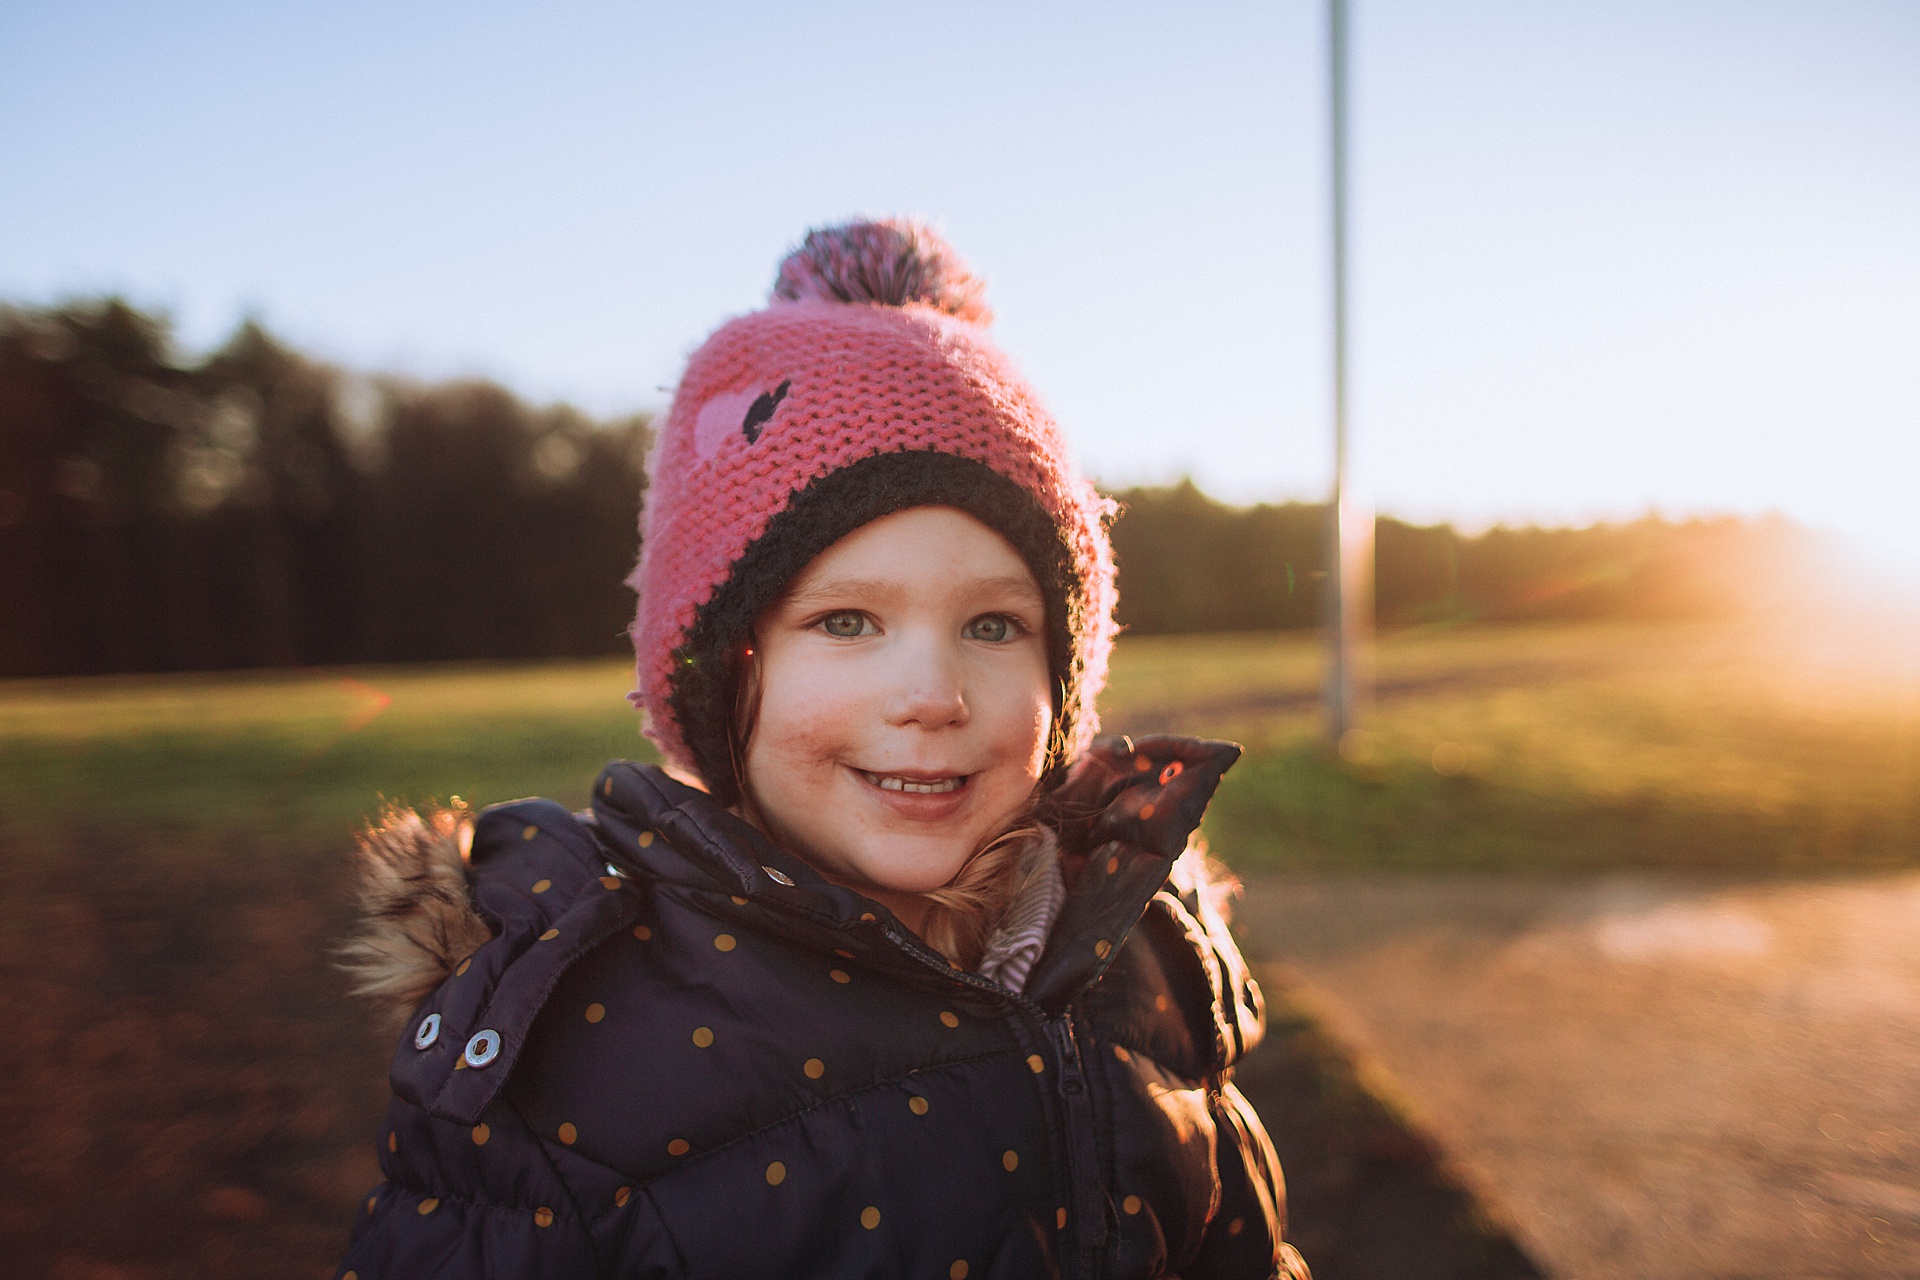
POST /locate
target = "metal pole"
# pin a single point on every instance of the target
(1339, 691)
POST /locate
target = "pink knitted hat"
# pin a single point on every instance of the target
(868, 385)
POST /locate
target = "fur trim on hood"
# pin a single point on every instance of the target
(417, 916)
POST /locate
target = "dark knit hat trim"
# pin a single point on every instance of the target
(707, 667)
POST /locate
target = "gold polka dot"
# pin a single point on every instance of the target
(1035, 1063)
(679, 1147)
(1010, 1160)
(596, 1011)
(641, 932)
(351, 1275)
(843, 953)
(1113, 863)
(1146, 813)
(543, 1217)
(393, 1141)
(541, 886)
(948, 1018)
(1141, 764)
(646, 838)
(776, 1174)
(529, 832)
(609, 882)
(480, 1135)
(839, 975)
(1235, 1227)
(428, 1205)
(549, 935)
(918, 1105)
(724, 942)
(738, 901)
(460, 1063)
(814, 1068)
(1102, 948)
(606, 788)
(621, 1197)
(1060, 1219)
(1120, 1052)
(1160, 1002)
(569, 1134)
(703, 1036)
(958, 1271)
(867, 917)
(1131, 1204)
(869, 1217)
(371, 1201)
(464, 966)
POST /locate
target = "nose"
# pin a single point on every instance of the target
(926, 687)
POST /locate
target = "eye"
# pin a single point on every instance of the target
(992, 627)
(846, 624)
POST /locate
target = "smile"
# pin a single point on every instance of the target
(914, 786)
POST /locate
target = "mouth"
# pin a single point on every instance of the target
(909, 784)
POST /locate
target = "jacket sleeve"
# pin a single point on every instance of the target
(1243, 1242)
(431, 1220)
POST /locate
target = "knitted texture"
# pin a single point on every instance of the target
(780, 398)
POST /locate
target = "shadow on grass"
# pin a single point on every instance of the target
(1305, 808)
(1369, 1195)
(189, 1093)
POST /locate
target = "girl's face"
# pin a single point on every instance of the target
(904, 702)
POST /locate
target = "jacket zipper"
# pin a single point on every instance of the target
(1086, 1207)
(1086, 1232)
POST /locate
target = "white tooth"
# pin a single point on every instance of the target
(891, 782)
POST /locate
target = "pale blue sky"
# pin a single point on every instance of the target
(1609, 254)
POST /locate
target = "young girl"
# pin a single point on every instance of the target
(892, 969)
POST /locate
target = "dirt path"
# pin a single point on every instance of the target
(1655, 1077)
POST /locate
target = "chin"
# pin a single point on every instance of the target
(917, 876)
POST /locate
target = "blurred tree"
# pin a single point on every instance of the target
(260, 508)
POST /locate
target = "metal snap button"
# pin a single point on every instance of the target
(777, 877)
(483, 1048)
(427, 1032)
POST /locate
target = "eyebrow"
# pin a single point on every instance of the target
(887, 590)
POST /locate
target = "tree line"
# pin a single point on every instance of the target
(256, 507)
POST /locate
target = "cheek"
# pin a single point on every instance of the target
(805, 716)
(1023, 719)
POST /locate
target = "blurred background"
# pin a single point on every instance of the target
(331, 342)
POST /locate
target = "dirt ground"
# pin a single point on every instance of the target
(1654, 1076)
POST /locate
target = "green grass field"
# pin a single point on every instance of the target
(1541, 747)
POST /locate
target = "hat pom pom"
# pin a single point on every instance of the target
(891, 261)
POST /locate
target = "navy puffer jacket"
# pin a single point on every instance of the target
(684, 1053)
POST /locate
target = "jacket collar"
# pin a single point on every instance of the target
(1124, 812)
